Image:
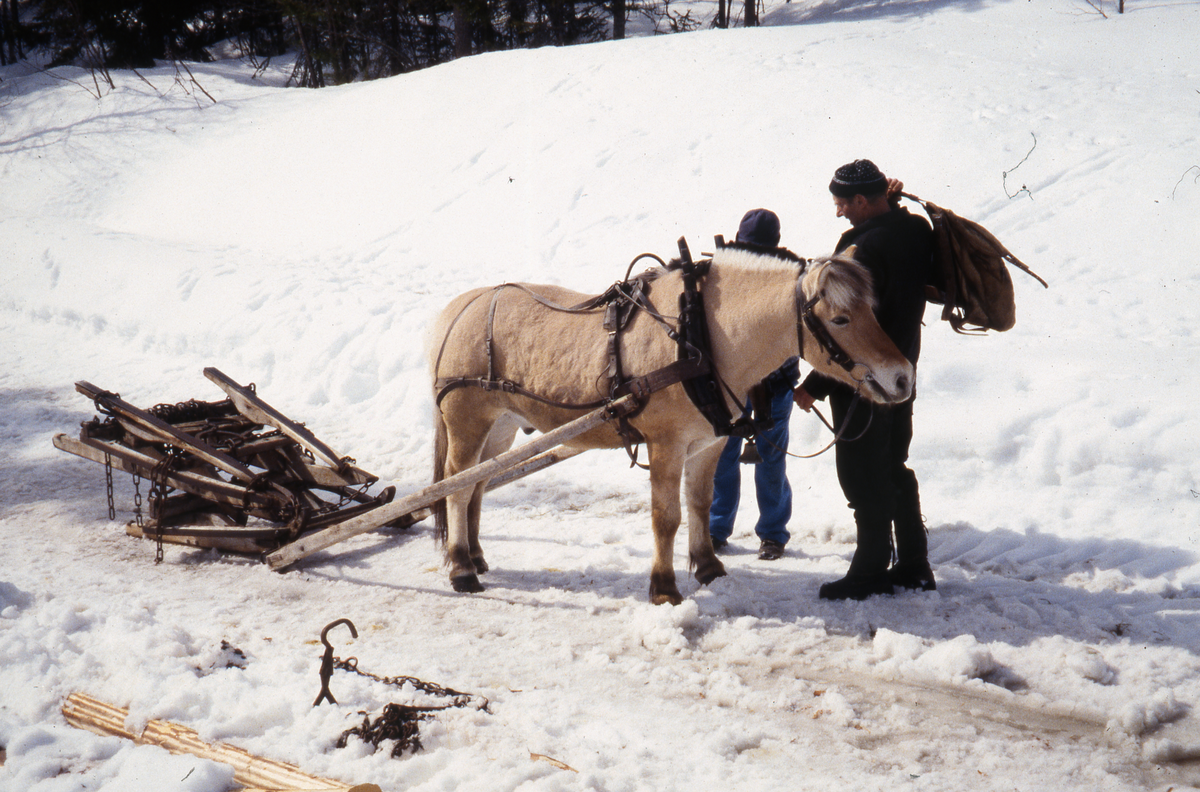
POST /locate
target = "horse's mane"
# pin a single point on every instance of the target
(754, 257)
(842, 281)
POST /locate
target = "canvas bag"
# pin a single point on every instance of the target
(970, 274)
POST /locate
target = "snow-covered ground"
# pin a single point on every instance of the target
(302, 240)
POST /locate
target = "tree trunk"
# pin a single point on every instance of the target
(6, 34)
(462, 30)
(751, 13)
(618, 15)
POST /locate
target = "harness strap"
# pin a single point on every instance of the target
(704, 390)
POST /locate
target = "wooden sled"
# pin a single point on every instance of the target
(235, 474)
(238, 475)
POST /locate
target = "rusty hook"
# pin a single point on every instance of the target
(327, 660)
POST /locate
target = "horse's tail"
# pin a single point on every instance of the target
(440, 446)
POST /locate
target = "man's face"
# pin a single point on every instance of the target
(853, 209)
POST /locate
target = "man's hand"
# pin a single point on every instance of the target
(894, 188)
(803, 399)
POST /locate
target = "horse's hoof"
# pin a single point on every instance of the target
(709, 574)
(481, 566)
(466, 584)
(658, 597)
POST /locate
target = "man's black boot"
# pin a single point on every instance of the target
(915, 574)
(867, 575)
(857, 587)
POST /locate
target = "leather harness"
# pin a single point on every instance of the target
(693, 367)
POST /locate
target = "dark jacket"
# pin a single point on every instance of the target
(897, 248)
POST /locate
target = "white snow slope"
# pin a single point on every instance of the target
(302, 240)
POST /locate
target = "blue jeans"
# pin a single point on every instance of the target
(771, 485)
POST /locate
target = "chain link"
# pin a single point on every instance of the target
(159, 489)
(108, 486)
(400, 722)
(137, 499)
(460, 699)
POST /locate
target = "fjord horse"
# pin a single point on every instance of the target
(753, 304)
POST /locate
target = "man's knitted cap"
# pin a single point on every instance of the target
(860, 177)
(759, 227)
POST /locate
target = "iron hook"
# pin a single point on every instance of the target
(327, 660)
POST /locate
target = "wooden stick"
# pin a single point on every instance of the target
(84, 712)
(254, 408)
(306, 546)
(158, 430)
(539, 462)
(134, 461)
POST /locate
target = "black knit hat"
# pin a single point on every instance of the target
(860, 177)
(759, 227)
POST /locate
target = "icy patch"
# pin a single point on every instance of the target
(1138, 718)
(663, 627)
(13, 600)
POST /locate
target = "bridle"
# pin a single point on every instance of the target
(806, 317)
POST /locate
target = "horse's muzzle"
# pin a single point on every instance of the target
(900, 390)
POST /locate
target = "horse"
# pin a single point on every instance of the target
(754, 303)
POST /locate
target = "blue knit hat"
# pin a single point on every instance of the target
(860, 177)
(759, 227)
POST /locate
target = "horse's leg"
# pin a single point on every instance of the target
(666, 470)
(474, 507)
(465, 444)
(698, 485)
(499, 440)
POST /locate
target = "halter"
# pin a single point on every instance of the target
(820, 333)
(805, 317)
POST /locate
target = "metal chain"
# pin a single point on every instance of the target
(137, 499)
(108, 486)
(158, 491)
(460, 699)
(400, 722)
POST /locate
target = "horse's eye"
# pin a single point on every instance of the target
(841, 321)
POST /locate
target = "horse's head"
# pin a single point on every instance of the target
(840, 335)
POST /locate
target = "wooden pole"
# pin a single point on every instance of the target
(254, 772)
(254, 408)
(306, 546)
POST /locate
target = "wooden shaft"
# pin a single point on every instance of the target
(306, 546)
(539, 462)
(84, 712)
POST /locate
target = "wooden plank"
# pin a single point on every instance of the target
(131, 461)
(84, 712)
(254, 408)
(312, 543)
(229, 544)
(161, 431)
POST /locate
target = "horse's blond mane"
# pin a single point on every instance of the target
(744, 258)
(842, 281)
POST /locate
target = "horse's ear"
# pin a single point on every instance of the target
(850, 251)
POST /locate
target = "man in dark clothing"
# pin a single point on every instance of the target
(896, 247)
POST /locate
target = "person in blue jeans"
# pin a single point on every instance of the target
(759, 229)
